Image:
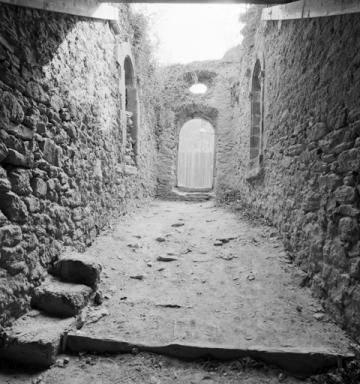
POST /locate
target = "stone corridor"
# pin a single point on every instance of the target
(132, 240)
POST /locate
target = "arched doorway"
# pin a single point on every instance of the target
(196, 156)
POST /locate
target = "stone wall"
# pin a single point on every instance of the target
(178, 105)
(307, 182)
(63, 171)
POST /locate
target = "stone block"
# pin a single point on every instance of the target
(11, 108)
(21, 131)
(34, 340)
(5, 185)
(19, 160)
(36, 92)
(10, 235)
(20, 181)
(13, 207)
(39, 187)
(312, 203)
(78, 269)
(12, 260)
(61, 299)
(345, 194)
(349, 160)
(52, 153)
(348, 229)
(317, 131)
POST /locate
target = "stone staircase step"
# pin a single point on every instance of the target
(34, 339)
(179, 195)
(61, 299)
(79, 269)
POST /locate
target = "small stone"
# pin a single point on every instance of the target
(98, 298)
(176, 225)
(137, 277)
(282, 376)
(166, 258)
(250, 277)
(218, 243)
(160, 239)
(134, 246)
(319, 316)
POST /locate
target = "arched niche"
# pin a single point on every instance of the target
(131, 107)
(196, 156)
(256, 125)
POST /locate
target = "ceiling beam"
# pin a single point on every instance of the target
(87, 8)
(311, 8)
(263, 2)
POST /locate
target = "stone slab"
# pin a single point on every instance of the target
(302, 362)
(34, 339)
(79, 269)
(61, 299)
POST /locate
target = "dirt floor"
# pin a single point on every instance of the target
(148, 369)
(226, 283)
(193, 273)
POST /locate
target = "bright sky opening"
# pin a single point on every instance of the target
(183, 33)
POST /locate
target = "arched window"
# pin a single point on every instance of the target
(256, 129)
(131, 107)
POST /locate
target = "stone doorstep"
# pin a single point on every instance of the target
(35, 339)
(78, 269)
(302, 362)
(61, 299)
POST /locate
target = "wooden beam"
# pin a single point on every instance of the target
(311, 8)
(86, 8)
(264, 2)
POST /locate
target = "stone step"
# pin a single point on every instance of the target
(79, 269)
(61, 299)
(34, 339)
(299, 361)
(191, 196)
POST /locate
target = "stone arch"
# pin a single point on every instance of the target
(256, 123)
(191, 112)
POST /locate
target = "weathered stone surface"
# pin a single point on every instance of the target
(317, 131)
(10, 235)
(61, 299)
(11, 108)
(21, 132)
(20, 181)
(13, 207)
(17, 159)
(3, 151)
(59, 113)
(39, 187)
(52, 153)
(35, 340)
(79, 269)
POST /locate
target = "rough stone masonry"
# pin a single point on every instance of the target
(63, 164)
(290, 93)
(300, 82)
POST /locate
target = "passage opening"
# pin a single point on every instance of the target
(195, 171)
(198, 89)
